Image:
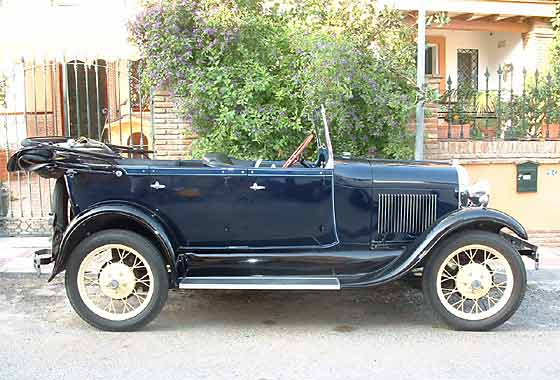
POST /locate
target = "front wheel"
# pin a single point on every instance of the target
(475, 281)
(116, 280)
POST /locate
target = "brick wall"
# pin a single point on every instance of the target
(494, 150)
(172, 140)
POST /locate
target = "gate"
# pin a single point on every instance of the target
(98, 99)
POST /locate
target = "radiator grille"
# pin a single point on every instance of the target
(406, 213)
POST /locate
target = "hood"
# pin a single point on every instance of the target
(414, 173)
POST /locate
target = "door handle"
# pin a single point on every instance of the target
(156, 185)
(255, 186)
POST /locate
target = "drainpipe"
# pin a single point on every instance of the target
(420, 80)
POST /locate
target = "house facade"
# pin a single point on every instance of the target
(505, 130)
(476, 35)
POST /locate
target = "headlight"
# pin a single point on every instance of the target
(479, 194)
(476, 195)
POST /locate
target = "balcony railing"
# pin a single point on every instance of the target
(526, 109)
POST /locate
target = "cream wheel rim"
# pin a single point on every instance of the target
(474, 282)
(115, 282)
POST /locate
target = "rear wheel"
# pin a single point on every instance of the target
(475, 281)
(116, 280)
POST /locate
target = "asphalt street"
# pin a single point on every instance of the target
(379, 333)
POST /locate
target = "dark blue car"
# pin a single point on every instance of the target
(127, 230)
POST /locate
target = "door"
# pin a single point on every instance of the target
(282, 207)
(197, 202)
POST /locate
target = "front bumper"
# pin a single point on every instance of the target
(524, 248)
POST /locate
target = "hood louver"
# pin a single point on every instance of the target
(406, 213)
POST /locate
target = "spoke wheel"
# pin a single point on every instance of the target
(115, 282)
(474, 280)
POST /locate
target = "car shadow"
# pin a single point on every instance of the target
(392, 306)
(395, 305)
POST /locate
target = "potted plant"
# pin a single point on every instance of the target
(458, 104)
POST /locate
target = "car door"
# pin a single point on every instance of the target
(286, 207)
(197, 202)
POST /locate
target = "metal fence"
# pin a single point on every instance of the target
(511, 104)
(71, 97)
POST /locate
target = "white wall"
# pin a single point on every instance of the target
(494, 48)
(87, 29)
(12, 121)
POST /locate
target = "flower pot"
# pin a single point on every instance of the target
(551, 132)
(443, 131)
(488, 132)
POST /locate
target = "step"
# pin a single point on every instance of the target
(261, 282)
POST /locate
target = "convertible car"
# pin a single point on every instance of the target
(126, 230)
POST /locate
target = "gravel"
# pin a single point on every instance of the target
(380, 332)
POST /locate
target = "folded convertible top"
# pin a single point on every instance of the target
(51, 157)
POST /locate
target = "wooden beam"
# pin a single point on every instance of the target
(492, 18)
(479, 17)
(518, 19)
(529, 8)
(485, 26)
(462, 16)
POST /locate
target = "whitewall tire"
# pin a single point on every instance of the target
(475, 281)
(116, 280)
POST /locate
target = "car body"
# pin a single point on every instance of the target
(221, 223)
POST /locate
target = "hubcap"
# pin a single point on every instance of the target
(115, 282)
(475, 282)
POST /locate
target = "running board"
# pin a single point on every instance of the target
(261, 282)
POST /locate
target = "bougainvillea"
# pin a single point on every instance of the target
(250, 73)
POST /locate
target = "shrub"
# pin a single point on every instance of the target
(250, 73)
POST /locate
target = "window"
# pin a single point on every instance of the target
(432, 64)
(87, 97)
(467, 68)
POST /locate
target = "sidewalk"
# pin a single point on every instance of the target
(16, 256)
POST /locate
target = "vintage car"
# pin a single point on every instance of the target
(128, 230)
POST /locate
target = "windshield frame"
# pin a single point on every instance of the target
(327, 135)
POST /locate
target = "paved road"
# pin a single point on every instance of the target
(382, 333)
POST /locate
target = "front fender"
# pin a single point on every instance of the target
(465, 218)
(95, 219)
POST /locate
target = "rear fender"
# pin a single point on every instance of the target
(462, 219)
(116, 215)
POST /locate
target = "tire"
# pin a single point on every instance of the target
(141, 272)
(475, 267)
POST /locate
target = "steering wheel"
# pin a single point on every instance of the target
(295, 157)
